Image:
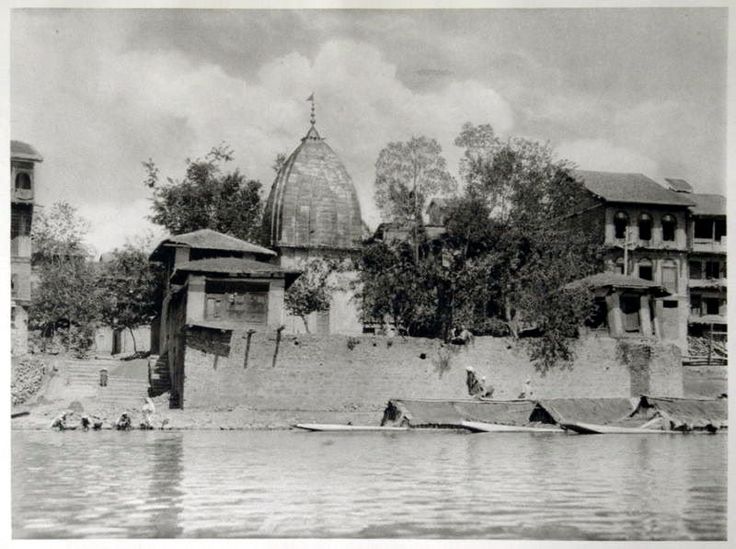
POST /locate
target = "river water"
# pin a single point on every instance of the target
(409, 485)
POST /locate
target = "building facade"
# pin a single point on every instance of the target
(23, 160)
(669, 236)
(312, 213)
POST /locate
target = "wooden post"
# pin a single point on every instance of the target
(645, 316)
(278, 341)
(710, 343)
(247, 347)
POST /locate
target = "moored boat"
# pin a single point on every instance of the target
(338, 427)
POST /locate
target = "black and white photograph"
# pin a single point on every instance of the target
(344, 272)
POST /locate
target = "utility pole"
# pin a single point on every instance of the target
(627, 242)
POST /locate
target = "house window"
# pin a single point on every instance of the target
(696, 270)
(619, 266)
(13, 285)
(695, 304)
(669, 275)
(645, 269)
(669, 224)
(630, 312)
(712, 269)
(23, 181)
(670, 304)
(645, 227)
(712, 305)
(620, 222)
(12, 317)
(720, 229)
(704, 229)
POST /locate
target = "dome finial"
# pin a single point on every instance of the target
(312, 117)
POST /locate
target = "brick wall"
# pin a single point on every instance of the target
(321, 373)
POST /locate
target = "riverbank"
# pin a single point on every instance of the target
(700, 382)
(65, 388)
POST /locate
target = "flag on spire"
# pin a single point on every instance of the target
(312, 118)
(311, 97)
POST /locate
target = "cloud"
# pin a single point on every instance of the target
(109, 108)
(599, 154)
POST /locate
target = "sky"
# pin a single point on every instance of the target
(98, 92)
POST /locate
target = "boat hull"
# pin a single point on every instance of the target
(344, 428)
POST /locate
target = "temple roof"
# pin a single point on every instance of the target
(313, 202)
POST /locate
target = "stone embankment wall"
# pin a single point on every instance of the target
(339, 373)
(28, 375)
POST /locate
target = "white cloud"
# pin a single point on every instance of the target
(125, 106)
(600, 154)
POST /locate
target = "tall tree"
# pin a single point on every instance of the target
(407, 173)
(130, 288)
(207, 197)
(65, 299)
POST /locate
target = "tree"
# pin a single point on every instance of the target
(207, 198)
(310, 292)
(395, 286)
(532, 246)
(58, 235)
(510, 247)
(406, 174)
(65, 300)
(130, 288)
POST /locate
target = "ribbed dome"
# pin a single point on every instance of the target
(313, 203)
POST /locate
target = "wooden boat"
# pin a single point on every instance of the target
(19, 413)
(339, 428)
(482, 427)
(592, 429)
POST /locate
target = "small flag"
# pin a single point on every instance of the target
(311, 97)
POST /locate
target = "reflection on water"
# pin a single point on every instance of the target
(414, 485)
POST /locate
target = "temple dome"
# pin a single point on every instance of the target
(313, 203)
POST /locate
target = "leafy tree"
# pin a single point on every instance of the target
(207, 198)
(310, 292)
(130, 288)
(532, 245)
(394, 285)
(65, 298)
(510, 247)
(58, 235)
(407, 173)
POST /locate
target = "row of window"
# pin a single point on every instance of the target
(704, 228)
(700, 305)
(646, 271)
(704, 270)
(645, 222)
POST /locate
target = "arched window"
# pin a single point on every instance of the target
(645, 227)
(669, 275)
(645, 269)
(620, 265)
(669, 224)
(23, 181)
(620, 222)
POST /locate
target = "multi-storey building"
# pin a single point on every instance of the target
(23, 158)
(707, 266)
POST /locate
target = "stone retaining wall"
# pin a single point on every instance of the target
(340, 373)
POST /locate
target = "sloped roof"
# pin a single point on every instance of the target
(313, 202)
(211, 240)
(708, 204)
(229, 265)
(679, 185)
(617, 280)
(632, 188)
(590, 410)
(695, 412)
(24, 151)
